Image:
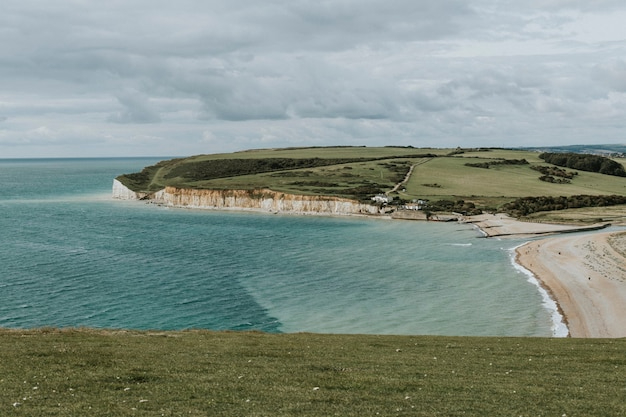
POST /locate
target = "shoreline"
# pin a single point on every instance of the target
(560, 327)
(586, 278)
(583, 275)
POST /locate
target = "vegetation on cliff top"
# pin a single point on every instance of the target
(438, 175)
(197, 373)
(356, 173)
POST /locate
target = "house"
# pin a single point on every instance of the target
(416, 205)
(382, 198)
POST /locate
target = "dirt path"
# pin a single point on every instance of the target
(408, 175)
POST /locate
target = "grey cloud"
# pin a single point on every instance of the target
(333, 25)
(612, 74)
(596, 5)
(303, 72)
(190, 50)
(136, 109)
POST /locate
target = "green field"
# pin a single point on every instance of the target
(496, 185)
(201, 373)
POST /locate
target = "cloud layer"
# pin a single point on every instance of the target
(161, 78)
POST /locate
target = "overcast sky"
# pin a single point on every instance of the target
(165, 78)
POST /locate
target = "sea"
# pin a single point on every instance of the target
(72, 256)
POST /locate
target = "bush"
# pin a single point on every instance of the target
(498, 162)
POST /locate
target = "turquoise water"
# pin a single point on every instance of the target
(72, 256)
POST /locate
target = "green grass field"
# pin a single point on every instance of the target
(200, 373)
(500, 183)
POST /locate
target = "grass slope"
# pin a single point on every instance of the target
(353, 172)
(198, 373)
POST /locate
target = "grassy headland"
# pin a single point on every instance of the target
(125, 373)
(486, 178)
(353, 172)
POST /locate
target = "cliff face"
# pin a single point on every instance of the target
(120, 191)
(262, 200)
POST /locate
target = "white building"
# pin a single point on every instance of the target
(382, 198)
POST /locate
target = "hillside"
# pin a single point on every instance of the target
(198, 373)
(604, 149)
(484, 178)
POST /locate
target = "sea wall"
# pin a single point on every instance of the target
(259, 200)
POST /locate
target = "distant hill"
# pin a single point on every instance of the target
(605, 150)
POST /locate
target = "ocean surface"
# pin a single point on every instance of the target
(70, 255)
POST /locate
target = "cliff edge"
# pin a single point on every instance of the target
(256, 200)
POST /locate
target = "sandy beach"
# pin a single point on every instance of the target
(584, 273)
(501, 225)
(586, 276)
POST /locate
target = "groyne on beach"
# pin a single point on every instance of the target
(501, 225)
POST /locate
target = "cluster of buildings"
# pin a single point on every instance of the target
(387, 199)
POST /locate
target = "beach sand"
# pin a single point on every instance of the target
(586, 276)
(501, 225)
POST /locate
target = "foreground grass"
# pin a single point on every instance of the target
(199, 373)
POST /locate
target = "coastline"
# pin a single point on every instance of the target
(559, 321)
(257, 200)
(581, 277)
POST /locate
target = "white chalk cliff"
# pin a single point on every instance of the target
(262, 200)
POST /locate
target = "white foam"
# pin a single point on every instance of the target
(481, 231)
(559, 328)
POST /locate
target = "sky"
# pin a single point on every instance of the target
(83, 78)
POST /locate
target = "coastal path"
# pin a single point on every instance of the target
(408, 175)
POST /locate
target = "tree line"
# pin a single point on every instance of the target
(496, 162)
(528, 205)
(585, 162)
